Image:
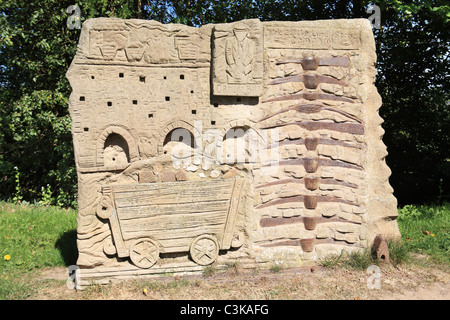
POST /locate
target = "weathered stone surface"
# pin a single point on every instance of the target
(168, 176)
(197, 136)
(180, 175)
(146, 176)
(381, 248)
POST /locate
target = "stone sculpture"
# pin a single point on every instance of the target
(256, 142)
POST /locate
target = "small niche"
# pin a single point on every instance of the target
(216, 105)
(238, 146)
(82, 98)
(194, 111)
(167, 98)
(165, 77)
(121, 75)
(134, 101)
(150, 115)
(116, 151)
(109, 103)
(192, 91)
(213, 123)
(86, 129)
(182, 76)
(142, 79)
(92, 77)
(182, 140)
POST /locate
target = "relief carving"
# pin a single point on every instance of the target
(141, 43)
(250, 142)
(240, 55)
(157, 49)
(237, 65)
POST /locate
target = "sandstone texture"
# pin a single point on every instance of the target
(256, 142)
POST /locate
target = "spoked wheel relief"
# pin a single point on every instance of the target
(204, 250)
(144, 253)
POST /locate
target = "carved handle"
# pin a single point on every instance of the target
(105, 207)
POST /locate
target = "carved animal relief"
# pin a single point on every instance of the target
(251, 142)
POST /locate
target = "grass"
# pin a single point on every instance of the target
(358, 260)
(209, 270)
(34, 237)
(275, 268)
(361, 260)
(426, 229)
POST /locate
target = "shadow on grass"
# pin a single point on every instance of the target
(67, 246)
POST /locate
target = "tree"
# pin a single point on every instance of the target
(413, 79)
(36, 49)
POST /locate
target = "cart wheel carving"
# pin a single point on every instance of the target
(204, 250)
(105, 207)
(144, 253)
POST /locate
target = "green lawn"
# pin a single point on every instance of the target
(33, 237)
(426, 229)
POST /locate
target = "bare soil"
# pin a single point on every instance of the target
(316, 283)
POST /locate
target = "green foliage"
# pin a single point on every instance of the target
(36, 49)
(360, 260)
(209, 270)
(18, 195)
(35, 237)
(423, 212)
(426, 229)
(413, 73)
(409, 8)
(398, 252)
(46, 196)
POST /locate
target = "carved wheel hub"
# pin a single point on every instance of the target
(204, 250)
(144, 253)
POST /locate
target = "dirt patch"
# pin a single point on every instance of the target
(317, 283)
(435, 291)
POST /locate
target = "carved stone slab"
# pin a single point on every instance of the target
(256, 142)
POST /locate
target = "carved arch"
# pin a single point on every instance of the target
(237, 123)
(175, 125)
(132, 146)
(252, 146)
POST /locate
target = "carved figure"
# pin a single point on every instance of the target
(240, 51)
(157, 50)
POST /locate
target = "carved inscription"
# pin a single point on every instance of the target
(309, 38)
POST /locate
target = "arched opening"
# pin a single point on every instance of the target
(240, 145)
(115, 151)
(179, 143)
